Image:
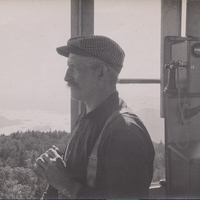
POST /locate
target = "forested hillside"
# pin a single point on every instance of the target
(19, 151)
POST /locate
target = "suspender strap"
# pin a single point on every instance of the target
(93, 160)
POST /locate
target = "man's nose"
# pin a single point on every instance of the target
(68, 75)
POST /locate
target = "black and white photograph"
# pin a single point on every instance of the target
(99, 99)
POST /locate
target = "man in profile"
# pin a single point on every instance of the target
(110, 153)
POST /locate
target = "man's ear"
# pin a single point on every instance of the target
(103, 70)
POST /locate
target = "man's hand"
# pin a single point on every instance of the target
(52, 167)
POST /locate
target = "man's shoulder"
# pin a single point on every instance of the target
(128, 127)
(126, 118)
(127, 124)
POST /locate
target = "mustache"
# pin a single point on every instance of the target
(72, 83)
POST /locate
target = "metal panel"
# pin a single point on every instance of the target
(193, 29)
(82, 23)
(185, 182)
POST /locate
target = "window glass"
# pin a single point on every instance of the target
(33, 93)
(135, 25)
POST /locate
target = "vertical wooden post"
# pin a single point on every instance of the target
(82, 23)
(170, 26)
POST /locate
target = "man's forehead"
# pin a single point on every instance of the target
(75, 58)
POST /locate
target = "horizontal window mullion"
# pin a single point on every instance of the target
(140, 81)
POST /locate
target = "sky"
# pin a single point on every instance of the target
(31, 71)
(32, 87)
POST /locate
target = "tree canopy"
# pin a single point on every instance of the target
(19, 151)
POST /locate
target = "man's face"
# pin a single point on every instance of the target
(81, 77)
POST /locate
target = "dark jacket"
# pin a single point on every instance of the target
(125, 153)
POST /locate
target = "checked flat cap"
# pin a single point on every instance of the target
(96, 46)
